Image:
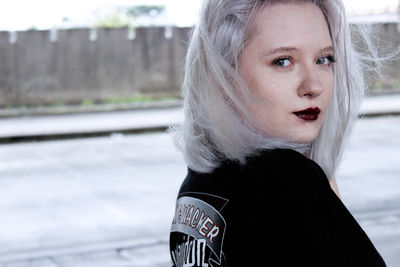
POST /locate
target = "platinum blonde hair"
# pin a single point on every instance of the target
(213, 91)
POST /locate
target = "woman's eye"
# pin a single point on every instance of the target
(282, 62)
(326, 60)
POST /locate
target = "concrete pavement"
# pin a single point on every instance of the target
(380, 105)
(108, 201)
(91, 202)
(19, 129)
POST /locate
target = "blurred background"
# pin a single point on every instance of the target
(88, 175)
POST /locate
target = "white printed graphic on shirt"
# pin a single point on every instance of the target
(202, 226)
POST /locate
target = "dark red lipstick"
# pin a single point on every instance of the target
(310, 114)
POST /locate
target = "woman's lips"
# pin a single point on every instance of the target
(310, 114)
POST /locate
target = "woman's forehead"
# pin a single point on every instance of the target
(291, 25)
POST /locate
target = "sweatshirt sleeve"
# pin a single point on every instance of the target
(290, 216)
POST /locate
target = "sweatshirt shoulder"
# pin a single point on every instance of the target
(281, 172)
(283, 175)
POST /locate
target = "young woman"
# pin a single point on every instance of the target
(271, 90)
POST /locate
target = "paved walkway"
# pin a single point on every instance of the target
(108, 202)
(94, 190)
(381, 105)
(105, 123)
(89, 124)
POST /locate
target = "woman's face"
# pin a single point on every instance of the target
(287, 66)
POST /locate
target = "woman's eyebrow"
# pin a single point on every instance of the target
(327, 49)
(291, 49)
(281, 49)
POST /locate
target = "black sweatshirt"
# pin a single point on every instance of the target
(276, 210)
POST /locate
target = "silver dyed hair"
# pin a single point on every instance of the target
(213, 91)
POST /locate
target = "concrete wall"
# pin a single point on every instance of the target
(70, 66)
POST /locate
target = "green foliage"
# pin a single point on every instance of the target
(59, 103)
(125, 16)
(137, 11)
(137, 99)
(87, 102)
(114, 20)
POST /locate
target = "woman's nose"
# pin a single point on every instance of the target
(311, 85)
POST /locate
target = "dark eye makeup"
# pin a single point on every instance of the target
(286, 61)
(326, 60)
(282, 62)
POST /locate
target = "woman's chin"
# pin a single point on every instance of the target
(303, 138)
